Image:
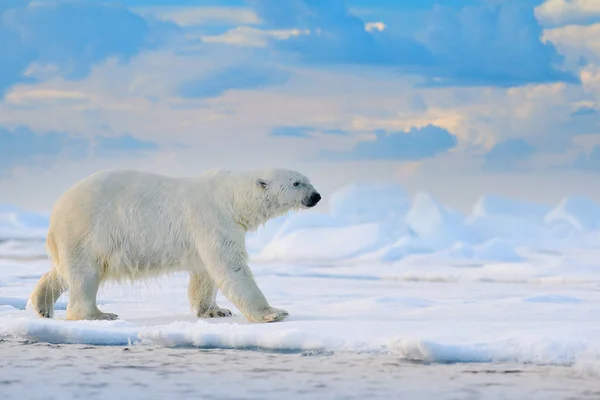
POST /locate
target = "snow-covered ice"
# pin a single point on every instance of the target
(379, 272)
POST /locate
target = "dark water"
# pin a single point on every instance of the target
(44, 371)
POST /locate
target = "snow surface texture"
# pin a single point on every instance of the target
(380, 272)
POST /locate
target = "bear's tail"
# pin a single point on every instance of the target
(49, 288)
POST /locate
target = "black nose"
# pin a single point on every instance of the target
(315, 197)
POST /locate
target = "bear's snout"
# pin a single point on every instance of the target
(315, 197)
(312, 200)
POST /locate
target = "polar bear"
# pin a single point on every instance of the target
(127, 225)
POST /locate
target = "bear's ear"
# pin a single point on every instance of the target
(262, 183)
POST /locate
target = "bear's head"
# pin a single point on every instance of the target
(259, 196)
(286, 190)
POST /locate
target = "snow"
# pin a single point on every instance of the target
(494, 249)
(488, 206)
(379, 272)
(306, 244)
(434, 224)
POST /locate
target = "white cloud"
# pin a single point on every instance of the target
(576, 41)
(590, 78)
(560, 12)
(248, 36)
(375, 26)
(450, 120)
(197, 16)
(38, 97)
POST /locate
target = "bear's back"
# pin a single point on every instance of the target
(132, 219)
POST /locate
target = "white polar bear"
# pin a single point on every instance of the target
(130, 225)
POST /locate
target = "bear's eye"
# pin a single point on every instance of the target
(296, 183)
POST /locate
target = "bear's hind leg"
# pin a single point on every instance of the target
(84, 281)
(46, 292)
(202, 293)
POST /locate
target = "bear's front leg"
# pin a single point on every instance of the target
(239, 286)
(233, 276)
(202, 293)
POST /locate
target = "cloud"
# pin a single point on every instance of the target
(496, 45)
(20, 146)
(583, 121)
(239, 77)
(72, 36)
(190, 15)
(375, 26)
(335, 35)
(14, 56)
(579, 44)
(303, 131)
(178, 3)
(584, 111)
(508, 155)
(335, 132)
(414, 144)
(14, 59)
(563, 12)
(588, 162)
(109, 145)
(248, 36)
(292, 131)
(23, 147)
(489, 44)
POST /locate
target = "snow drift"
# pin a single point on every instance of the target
(380, 222)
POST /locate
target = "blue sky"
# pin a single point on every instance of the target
(457, 97)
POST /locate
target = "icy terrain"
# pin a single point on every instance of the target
(379, 272)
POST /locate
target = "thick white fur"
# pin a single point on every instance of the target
(132, 225)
